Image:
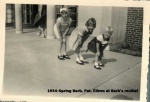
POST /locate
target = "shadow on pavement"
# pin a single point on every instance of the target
(71, 52)
(104, 61)
(122, 97)
(86, 56)
(29, 31)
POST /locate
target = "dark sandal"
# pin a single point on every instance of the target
(81, 63)
(60, 57)
(97, 67)
(66, 56)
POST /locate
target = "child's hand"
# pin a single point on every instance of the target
(60, 39)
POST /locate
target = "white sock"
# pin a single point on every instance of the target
(59, 54)
(100, 63)
(77, 59)
(96, 63)
(81, 58)
(65, 54)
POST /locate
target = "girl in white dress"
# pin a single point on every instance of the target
(61, 28)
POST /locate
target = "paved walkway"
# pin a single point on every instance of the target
(32, 67)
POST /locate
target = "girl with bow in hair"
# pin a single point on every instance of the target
(61, 28)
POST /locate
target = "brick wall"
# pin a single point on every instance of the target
(134, 29)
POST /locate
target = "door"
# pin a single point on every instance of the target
(28, 13)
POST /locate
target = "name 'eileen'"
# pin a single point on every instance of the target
(97, 90)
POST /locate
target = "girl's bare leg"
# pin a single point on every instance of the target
(60, 55)
(39, 33)
(100, 58)
(96, 59)
(96, 64)
(42, 33)
(64, 45)
(65, 48)
(77, 56)
(60, 47)
(81, 58)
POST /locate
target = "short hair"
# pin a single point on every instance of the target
(108, 29)
(91, 21)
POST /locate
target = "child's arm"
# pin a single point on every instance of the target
(57, 31)
(40, 9)
(110, 39)
(105, 46)
(66, 31)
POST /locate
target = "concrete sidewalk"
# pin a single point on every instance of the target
(32, 67)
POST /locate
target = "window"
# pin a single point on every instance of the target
(10, 15)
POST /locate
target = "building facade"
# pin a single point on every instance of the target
(127, 22)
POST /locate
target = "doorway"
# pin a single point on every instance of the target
(28, 14)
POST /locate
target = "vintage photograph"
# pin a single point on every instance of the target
(73, 51)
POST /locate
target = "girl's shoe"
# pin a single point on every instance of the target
(60, 57)
(79, 62)
(66, 57)
(97, 67)
(100, 64)
(84, 61)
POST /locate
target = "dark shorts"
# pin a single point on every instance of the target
(92, 46)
